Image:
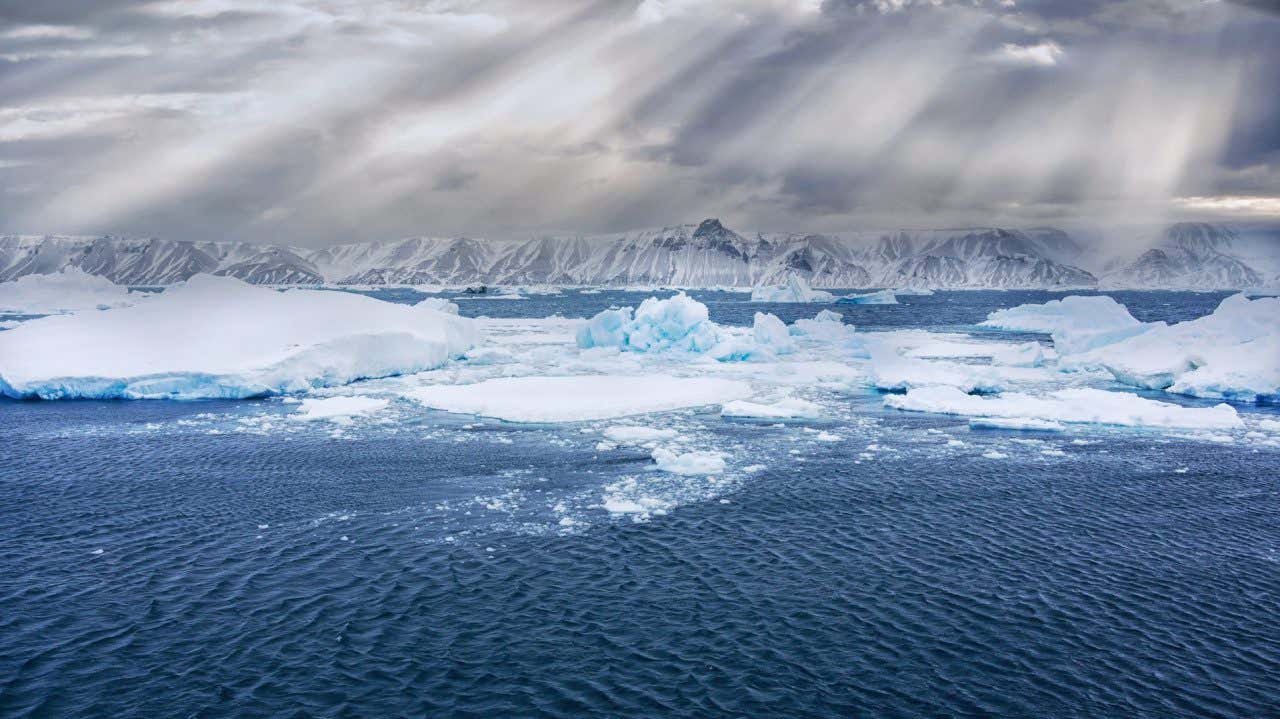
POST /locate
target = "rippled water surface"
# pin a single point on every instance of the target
(197, 559)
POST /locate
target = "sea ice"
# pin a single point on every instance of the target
(791, 407)
(71, 290)
(219, 337)
(1233, 353)
(880, 297)
(1077, 323)
(796, 289)
(439, 304)
(678, 322)
(689, 462)
(826, 326)
(338, 410)
(579, 398)
(1019, 423)
(629, 434)
(1077, 405)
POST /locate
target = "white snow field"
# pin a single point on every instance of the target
(219, 337)
(71, 290)
(796, 289)
(579, 398)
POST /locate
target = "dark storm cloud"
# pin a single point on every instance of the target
(314, 122)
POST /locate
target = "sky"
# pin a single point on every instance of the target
(314, 122)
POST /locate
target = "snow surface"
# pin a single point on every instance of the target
(1074, 405)
(338, 410)
(796, 289)
(579, 398)
(71, 290)
(219, 337)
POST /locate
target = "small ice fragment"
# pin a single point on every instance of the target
(993, 454)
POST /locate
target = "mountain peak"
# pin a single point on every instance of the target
(709, 226)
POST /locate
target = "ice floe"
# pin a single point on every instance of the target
(879, 297)
(1073, 405)
(579, 398)
(634, 435)
(72, 290)
(338, 410)
(689, 462)
(790, 407)
(1077, 323)
(219, 337)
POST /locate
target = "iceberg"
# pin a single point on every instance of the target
(579, 398)
(796, 290)
(71, 290)
(769, 338)
(1077, 405)
(1077, 323)
(679, 323)
(913, 291)
(218, 337)
(1233, 353)
(881, 297)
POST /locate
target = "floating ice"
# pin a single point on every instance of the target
(1025, 424)
(678, 322)
(769, 338)
(338, 410)
(439, 304)
(913, 291)
(1077, 323)
(689, 462)
(1078, 405)
(826, 326)
(579, 398)
(219, 337)
(791, 407)
(71, 290)
(1233, 353)
(880, 297)
(628, 434)
(797, 289)
(895, 372)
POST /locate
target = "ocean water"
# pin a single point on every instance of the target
(214, 559)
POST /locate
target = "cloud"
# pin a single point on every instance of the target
(1044, 54)
(46, 32)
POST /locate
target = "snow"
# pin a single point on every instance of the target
(795, 290)
(219, 337)
(1075, 405)
(881, 297)
(1233, 353)
(675, 323)
(71, 290)
(579, 398)
(338, 410)
(689, 462)
(791, 407)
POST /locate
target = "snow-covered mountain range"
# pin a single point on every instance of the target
(707, 254)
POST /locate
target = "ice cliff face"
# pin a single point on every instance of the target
(706, 254)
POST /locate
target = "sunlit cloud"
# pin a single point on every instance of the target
(1229, 205)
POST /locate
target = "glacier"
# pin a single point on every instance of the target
(218, 337)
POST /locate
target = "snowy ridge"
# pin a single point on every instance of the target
(707, 254)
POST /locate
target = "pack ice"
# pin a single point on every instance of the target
(71, 290)
(219, 337)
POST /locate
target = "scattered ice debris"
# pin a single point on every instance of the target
(1019, 423)
(678, 322)
(993, 454)
(796, 289)
(827, 437)
(338, 410)
(628, 434)
(217, 337)
(791, 407)
(879, 297)
(71, 290)
(689, 462)
(579, 398)
(1077, 405)
(1233, 353)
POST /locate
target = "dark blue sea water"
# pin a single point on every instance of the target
(156, 563)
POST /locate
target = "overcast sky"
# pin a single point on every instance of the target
(319, 121)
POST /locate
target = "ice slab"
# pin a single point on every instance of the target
(72, 290)
(689, 462)
(338, 410)
(579, 398)
(1078, 405)
(1025, 424)
(1077, 323)
(629, 434)
(219, 337)
(880, 297)
(791, 407)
